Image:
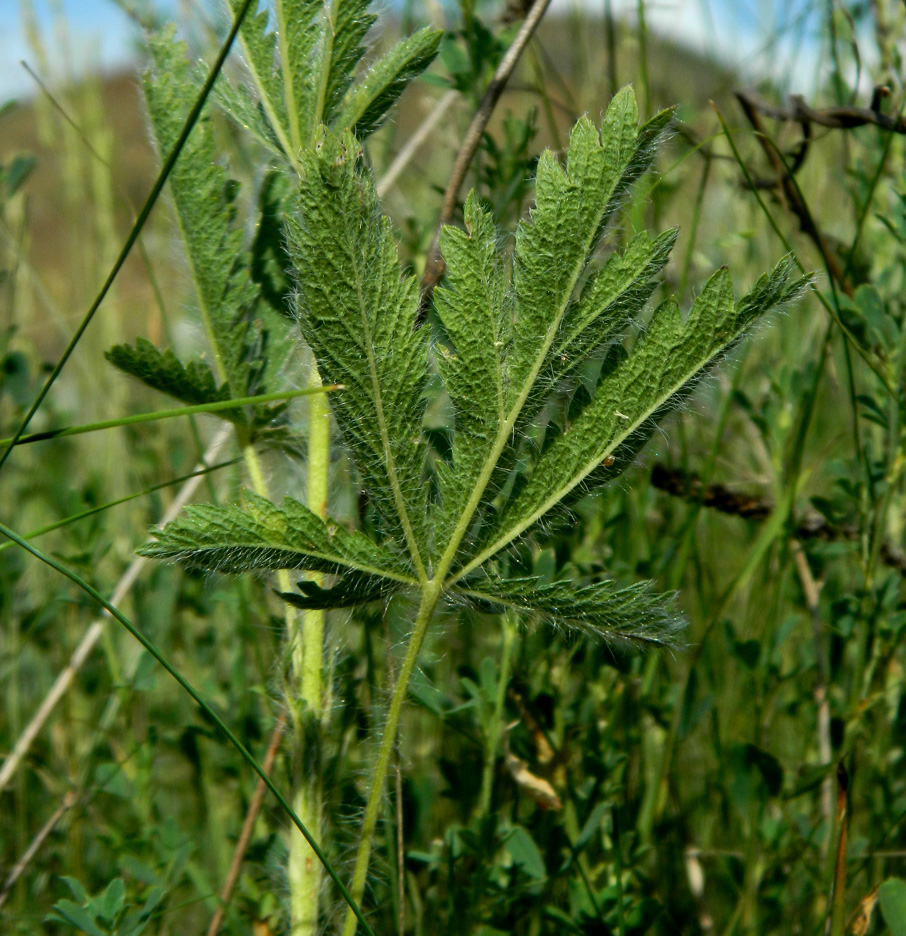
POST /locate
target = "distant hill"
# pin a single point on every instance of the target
(68, 180)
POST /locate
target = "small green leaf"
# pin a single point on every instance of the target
(111, 901)
(525, 853)
(747, 652)
(892, 896)
(751, 764)
(192, 383)
(358, 313)
(421, 689)
(76, 889)
(65, 911)
(591, 826)
(137, 920)
(14, 175)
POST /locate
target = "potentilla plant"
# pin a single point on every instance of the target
(301, 62)
(510, 341)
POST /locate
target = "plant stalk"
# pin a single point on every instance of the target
(306, 693)
(430, 594)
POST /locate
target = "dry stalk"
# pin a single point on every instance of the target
(69, 800)
(248, 825)
(434, 269)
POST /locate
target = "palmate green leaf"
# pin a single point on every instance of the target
(260, 535)
(553, 248)
(505, 351)
(473, 308)
(609, 301)
(635, 614)
(560, 305)
(302, 69)
(358, 313)
(670, 356)
(368, 101)
(192, 383)
(204, 198)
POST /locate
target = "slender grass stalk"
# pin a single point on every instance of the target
(64, 680)
(140, 244)
(618, 870)
(543, 93)
(643, 55)
(431, 593)
(837, 916)
(831, 308)
(219, 407)
(101, 508)
(610, 39)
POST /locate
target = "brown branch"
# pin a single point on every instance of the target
(788, 190)
(811, 526)
(245, 836)
(434, 269)
(835, 118)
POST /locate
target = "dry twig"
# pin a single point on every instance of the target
(245, 836)
(69, 800)
(835, 118)
(434, 269)
(718, 496)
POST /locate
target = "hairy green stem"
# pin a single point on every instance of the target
(431, 592)
(304, 868)
(307, 641)
(306, 633)
(306, 637)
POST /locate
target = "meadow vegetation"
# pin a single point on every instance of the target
(478, 693)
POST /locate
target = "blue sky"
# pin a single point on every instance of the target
(104, 35)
